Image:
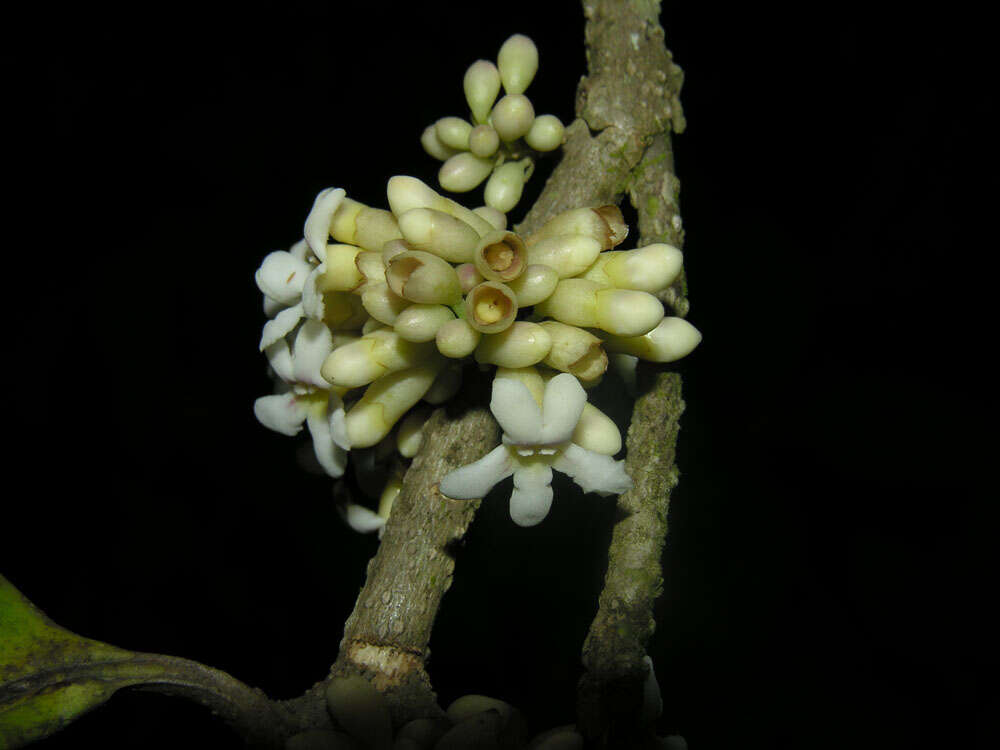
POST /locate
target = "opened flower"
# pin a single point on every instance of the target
(536, 441)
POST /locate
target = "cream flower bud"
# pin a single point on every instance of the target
(373, 325)
(453, 132)
(483, 141)
(534, 285)
(357, 224)
(406, 192)
(504, 188)
(517, 63)
(575, 351)
(500, 256)
(546, 134)
(409, 437)
(383, 304)
(669, 341)
(456, 338)
(481, 85)
(433, 146)
(567, 254)
(468, 276)
(648, 269)
(497, 219)
(585, 303)
(342, 272)
(521, 345)
(371, 357)
(512, 117)
(439, 233)
(420, 322)
(604, 224)
(469, 705)
(463, 172)
(385, 401)
(445, 385)
(423, 277)
(597, 432)
(370, 265)
(392, 248)
(490, 307)
(361, 710)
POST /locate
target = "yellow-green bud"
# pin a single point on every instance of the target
(383, 304)
(420, 322)
(585, 303)
(496, 218)
(370, 265)
(423, 277)
(342, 272)
(484, 141)
(575, 351)
(490, 307)
(481, 85)
(534, 285)
(357, 224)
(648, 269)
(546, 133)
(453, 132)
(521, 345)
(456, 338)
(373, 325)
(517, 62)
(385, 401)
(512, 117)
(669, 341)
(409, 437)
(433, 146)
(470, 705)
(406, 192)
(361, 710)
(371, 357)
(393, 248)
(500, 256)
(504, 188)
(463, 172)
(597, 432)
(468, 276)
(567, 254)
(604, 224)
(439, 233)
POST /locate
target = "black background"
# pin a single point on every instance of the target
(830, 565)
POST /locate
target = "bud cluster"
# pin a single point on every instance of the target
(501, 138)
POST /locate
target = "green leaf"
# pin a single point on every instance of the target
(50, 676)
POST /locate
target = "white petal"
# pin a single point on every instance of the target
(282, 325)
(313, 304)
(279, 356)
(301, 250)
(592, 471)
(317, 229)
(280, 413)
(360, 518)
(281, 277)
(313, 344)
(477, 479)
(517, 411)
(652, 701)
(272, 307)
(532, 496)
(331, 457)
(562, 406)
(338, 423)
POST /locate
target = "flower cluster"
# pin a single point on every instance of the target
(501, 138)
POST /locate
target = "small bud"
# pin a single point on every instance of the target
(669, 341)
(648, 269)
(453, 132)
(575, 351)
(371, 357)
(490, 307)
(373, 325)
(433, 146)
(409, 436)
(470, 705)
(597, 432)
(534, 285)
(504, 188)
(422, 733)
(517, 63)
(383, 304)
(463, 172)
(546, 133)
(500, 256)
(588, 304)
(445, 385)
(512, 117)
(604, 224)
(406, 192)
(496, 218)
(439, 233)
(361, 710)
(457, 339)
(342, 272)
(357, 224)
(481, 85)
(423, 277)
(468, 276)
(484, 141)
(420, 322)
(567, 254)
(521, 345)
(370, 265)
(385, 401)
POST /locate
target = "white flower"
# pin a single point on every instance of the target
(290, 284)
(306, 396)
(535, 441)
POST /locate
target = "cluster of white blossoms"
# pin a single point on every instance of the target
(501, 138)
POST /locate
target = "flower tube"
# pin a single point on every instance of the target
(500, 256)
(490, 307)
(385, 401)
(423, 277)
(588, 304)
(439, 233)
